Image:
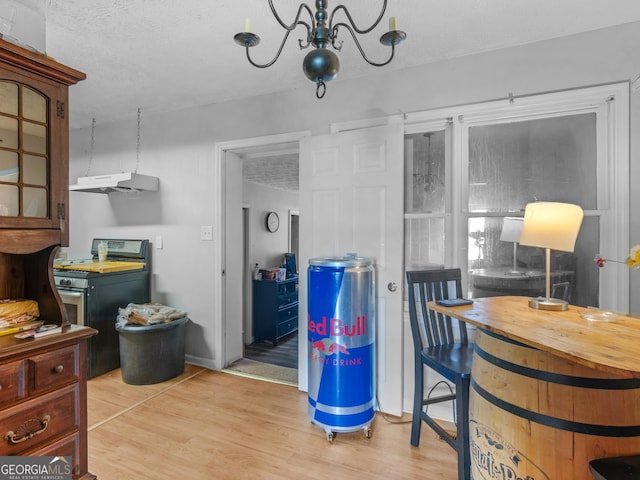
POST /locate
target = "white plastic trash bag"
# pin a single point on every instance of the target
(147, 314)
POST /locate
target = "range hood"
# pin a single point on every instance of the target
(117, 182)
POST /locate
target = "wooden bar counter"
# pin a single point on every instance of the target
(550, 391)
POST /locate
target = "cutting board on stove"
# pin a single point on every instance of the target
(104, 267)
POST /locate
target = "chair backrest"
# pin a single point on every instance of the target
(428, 327)
(561, 290)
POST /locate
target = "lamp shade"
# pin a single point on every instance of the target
(511, 229)
(551, 225)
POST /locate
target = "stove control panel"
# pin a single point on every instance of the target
(136, 249)
(71, 282)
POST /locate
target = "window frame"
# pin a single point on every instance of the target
(610, 103)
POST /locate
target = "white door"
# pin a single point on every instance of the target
(351, 200)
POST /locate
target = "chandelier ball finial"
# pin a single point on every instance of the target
(321, 64)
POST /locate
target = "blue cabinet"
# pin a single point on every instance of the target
(275, 309)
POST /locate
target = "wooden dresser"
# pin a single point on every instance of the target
(275, 309)
(43, 397)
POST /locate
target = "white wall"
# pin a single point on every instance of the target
(179, 147)
(267, 249)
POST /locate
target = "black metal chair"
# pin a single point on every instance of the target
(616, 468)
(561, 290)
(436, 346)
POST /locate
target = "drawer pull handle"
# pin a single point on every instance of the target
(27, 430)
(58, 369)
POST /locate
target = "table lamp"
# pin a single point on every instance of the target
(550, 225)
(511, 229)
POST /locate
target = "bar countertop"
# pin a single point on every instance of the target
(609, 346)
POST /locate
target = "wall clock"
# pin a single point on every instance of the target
(272, 222)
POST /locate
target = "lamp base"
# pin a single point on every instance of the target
(543, 303)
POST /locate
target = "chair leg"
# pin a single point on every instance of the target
(462, 413)
(418, 392)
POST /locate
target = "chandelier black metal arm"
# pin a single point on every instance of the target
(309, 40)
(321, 64)
(355, 39)
(275, 59)
(248, 39)
(303, 6)
(353, 24)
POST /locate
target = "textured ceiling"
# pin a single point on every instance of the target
(276, 165)
(162, 55)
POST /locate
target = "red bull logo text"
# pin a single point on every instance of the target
(337, 328)
(335, 343)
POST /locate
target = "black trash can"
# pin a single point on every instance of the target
(152, 353)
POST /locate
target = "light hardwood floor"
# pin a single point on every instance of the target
(213, 425)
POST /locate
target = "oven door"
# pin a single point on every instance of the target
(74, 302)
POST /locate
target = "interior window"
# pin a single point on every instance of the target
(511, 164)
(425, 199)
(471, 170)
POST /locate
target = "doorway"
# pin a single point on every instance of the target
(264, 158)
(282, 351)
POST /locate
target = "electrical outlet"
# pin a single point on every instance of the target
(206, 233)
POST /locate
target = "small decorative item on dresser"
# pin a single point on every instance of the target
(269, 274)
(41, 331)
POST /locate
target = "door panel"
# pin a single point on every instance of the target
(325, 225)
(351, 200)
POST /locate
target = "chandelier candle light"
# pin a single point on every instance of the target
(321, 64)
(550, 225)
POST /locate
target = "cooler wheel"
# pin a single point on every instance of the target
(330, 436)
(368, 432)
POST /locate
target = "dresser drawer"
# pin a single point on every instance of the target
(13, 384)
(286, 327)
(55, 368)
(288, 313)
(67, 446)
(287, 299)
(33, 422)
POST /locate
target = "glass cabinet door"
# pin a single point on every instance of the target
(24, 156)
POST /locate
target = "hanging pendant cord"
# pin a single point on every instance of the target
(93, 134)
(138, 143)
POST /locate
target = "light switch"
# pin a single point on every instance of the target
(159, 242)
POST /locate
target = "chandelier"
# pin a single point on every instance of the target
(321, 64)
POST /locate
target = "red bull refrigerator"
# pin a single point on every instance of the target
(341, 333)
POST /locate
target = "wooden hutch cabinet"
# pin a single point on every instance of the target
(43, 389)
